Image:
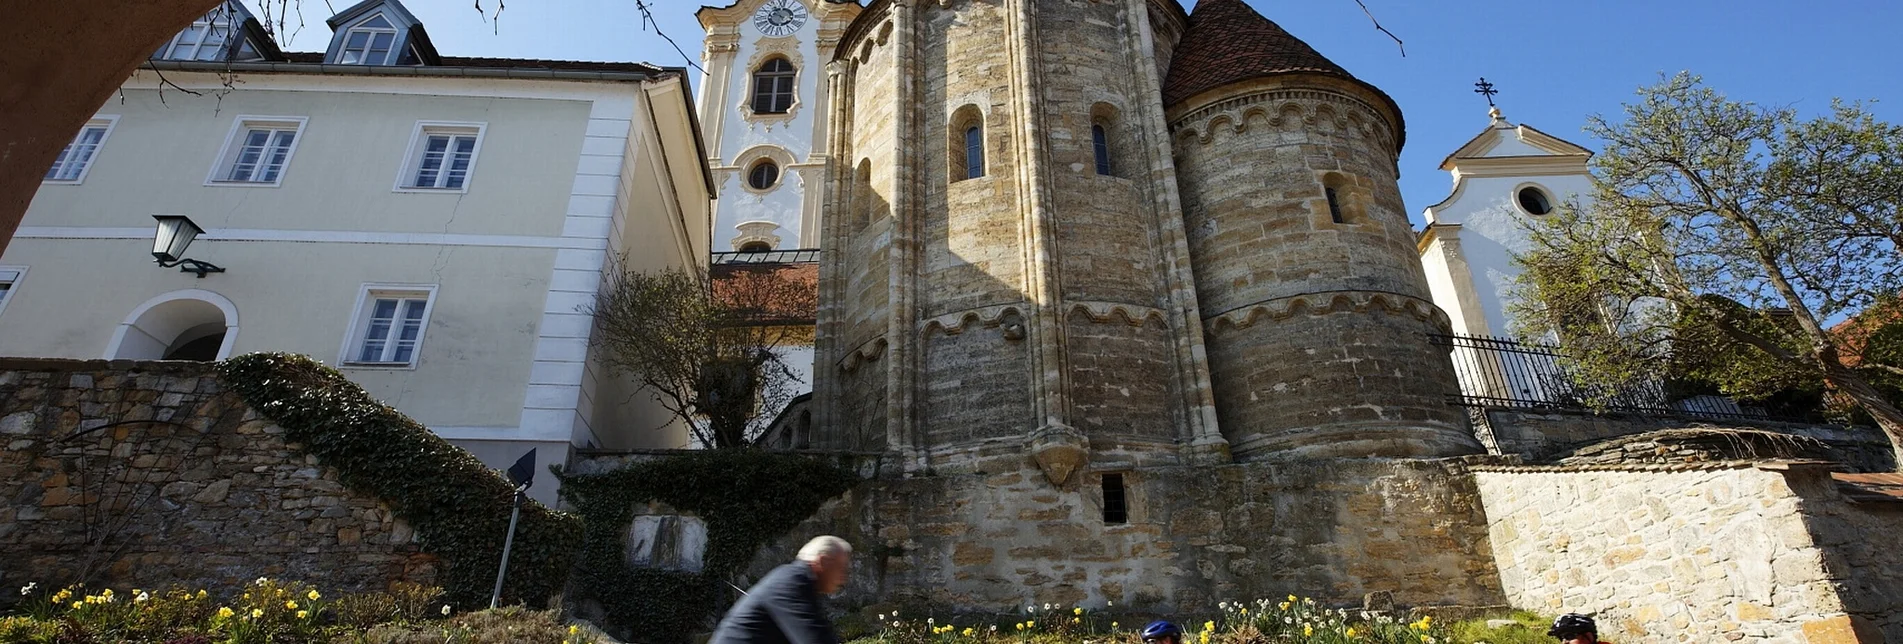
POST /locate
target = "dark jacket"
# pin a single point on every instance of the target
(783, 608)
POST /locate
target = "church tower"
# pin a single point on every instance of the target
(1315, 305)
(763, 107)
(1005, 271)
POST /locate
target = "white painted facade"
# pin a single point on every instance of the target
(1503, 178)
(784, 214)
(1474, 234)
(569, 171)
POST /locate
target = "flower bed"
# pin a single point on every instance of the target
(277, 612)
(1293, 620)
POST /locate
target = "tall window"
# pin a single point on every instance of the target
(1334, 205)
(1116, 508)
(258, 152)
(73, 161)
(974, 151)
(368, 43)
(773, 87)
(443, 157)
(1100, 145)
(389, 328)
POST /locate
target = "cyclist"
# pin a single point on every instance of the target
(1574, 628)
(1162, 632)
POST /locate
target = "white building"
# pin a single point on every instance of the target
(1504, 177)
(435, 227)
(765, 101)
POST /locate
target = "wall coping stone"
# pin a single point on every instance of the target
(67, 365)
(1658, 467)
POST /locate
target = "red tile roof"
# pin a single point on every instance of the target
(1227, 42)
(1871, 488)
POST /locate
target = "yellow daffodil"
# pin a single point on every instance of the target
(1077, 611)
(1209, 626)
(257, 613)
(1113, 625)
(1308, 631)
(202, 594)
(1020, 626)
(303, 614)
(312, 595)
(290, 605)
(77, 605)
(224, 611)
(969, 632)
(1076, 620)
(1245, 611)
(1291, 599)
(1351, 631)
(62, 595)
(1205, 637)
(1030, 624)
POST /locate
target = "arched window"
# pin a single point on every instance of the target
(1341, 208)
(862, 195)
(974, 151)
(1100, 146)
(764, 175)
(1334, 204)
(773, 87)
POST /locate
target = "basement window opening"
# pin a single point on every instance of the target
(1115, 509)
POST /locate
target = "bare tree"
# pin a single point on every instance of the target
(1724, 226)
(710, 349)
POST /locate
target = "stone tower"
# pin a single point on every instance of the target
(1011, 271)
(1312, 297)
(990, 289)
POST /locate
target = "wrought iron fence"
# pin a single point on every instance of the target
(1498, 372)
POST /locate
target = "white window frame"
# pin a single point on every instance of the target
(389, 57)
(13, 287)
(360, 324)
(109, 121)
(222, 18)
(419, 137)
(234, 143)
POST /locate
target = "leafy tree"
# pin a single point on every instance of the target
(710, 349)
(1721, 238)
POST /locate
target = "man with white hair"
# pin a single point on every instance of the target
(784, 607)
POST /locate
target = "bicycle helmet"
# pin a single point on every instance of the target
(1160, 630)
(1572, 624)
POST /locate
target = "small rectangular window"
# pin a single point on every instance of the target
(1100, 144)
(1334, 205)
(258, 152)
(389, 327)
(77, 157)
(1115, 509)
(974, 152)
(9, 278)
(442, 156)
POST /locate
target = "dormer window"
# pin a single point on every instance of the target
(371, 42)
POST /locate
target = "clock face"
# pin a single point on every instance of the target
(780, 17)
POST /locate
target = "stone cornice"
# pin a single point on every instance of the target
(1325, 303)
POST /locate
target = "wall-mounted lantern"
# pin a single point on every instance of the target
(168, 245)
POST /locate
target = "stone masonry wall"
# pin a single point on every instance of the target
(1545, 434)
(1678, 553)
(1860, 552)
(1195, 536)
(149, 474)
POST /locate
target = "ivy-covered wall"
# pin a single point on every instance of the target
(154, 473)
(747, 499)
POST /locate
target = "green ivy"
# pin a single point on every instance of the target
(747, 497)
(458, 506)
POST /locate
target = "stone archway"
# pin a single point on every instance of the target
(193, 324)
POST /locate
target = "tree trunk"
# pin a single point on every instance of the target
(1888, 417)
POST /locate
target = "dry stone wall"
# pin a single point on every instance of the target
(149, 474)
(1542, 435)
(1195, 536)
(1693, 553)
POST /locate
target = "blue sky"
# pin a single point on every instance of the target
(1555, 61)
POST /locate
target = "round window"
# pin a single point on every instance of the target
(763, 175)
(1533, 201)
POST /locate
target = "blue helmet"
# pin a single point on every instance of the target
(1162, 630)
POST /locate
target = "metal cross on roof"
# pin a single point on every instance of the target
(1486, 89)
